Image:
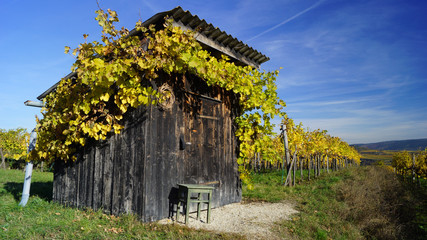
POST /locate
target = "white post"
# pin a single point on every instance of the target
(28, 171)
(286, 145)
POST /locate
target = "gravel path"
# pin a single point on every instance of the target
(253, 220)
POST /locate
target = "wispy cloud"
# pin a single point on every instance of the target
(153, 7)
(287, 20)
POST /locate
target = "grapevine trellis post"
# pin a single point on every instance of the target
(328, 164)
(286, 145)
(301, 167)
(288, 178)
(413, 167)
(295, 169)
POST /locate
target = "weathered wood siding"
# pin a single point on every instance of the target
(138, 170)
(107, 174)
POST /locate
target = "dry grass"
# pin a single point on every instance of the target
(354, 203)
(379, 204)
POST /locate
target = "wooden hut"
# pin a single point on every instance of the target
(188, 139)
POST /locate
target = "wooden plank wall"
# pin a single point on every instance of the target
(138, 170)
(107, 174)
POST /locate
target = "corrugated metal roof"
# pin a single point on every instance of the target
(207, 34)
(237, 48)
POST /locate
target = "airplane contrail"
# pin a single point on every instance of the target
(287, 20)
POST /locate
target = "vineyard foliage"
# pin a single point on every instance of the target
(13, 143)
(113, 76)
(305, 143)
(315, 150)
(406, 163)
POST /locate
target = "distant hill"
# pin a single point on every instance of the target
(399, 145)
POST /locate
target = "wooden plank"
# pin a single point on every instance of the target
(86, 172)
(90, 181)
(210, 144)
(128, 169)
(97, 176)
(217, 145)
(133, 171)
(204, 97)
(145, 169)
(107, 177)
(151, 166)
(115, 169)
(121, 174)
(209, 117)
(222, 152)
(63, 184)
(117, 175)
(76, 166)
(171, 150)
(85, 177)
(71, 172)
(160, 163)
(180, 131)
(159, 179)
(82, 180)
(57, 181)
(139, 157)
(228, 166)
(65, 188)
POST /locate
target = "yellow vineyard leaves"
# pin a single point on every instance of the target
(109, 83)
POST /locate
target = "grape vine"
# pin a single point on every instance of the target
(112, 77)
(307, 149)
(13, 144)
(407, 164)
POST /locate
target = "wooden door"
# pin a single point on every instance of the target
(202, 139)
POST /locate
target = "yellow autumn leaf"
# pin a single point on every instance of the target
(105, 97)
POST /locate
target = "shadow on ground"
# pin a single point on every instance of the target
(41, 189)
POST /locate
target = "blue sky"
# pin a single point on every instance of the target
(355, 68)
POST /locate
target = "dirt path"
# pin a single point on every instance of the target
(253, 220)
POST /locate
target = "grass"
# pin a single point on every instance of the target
(43, 219)
(268, 186)
(316, 202)
(355, 203)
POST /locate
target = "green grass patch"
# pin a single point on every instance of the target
(314, 199)
(354, 203)
(43, 219)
